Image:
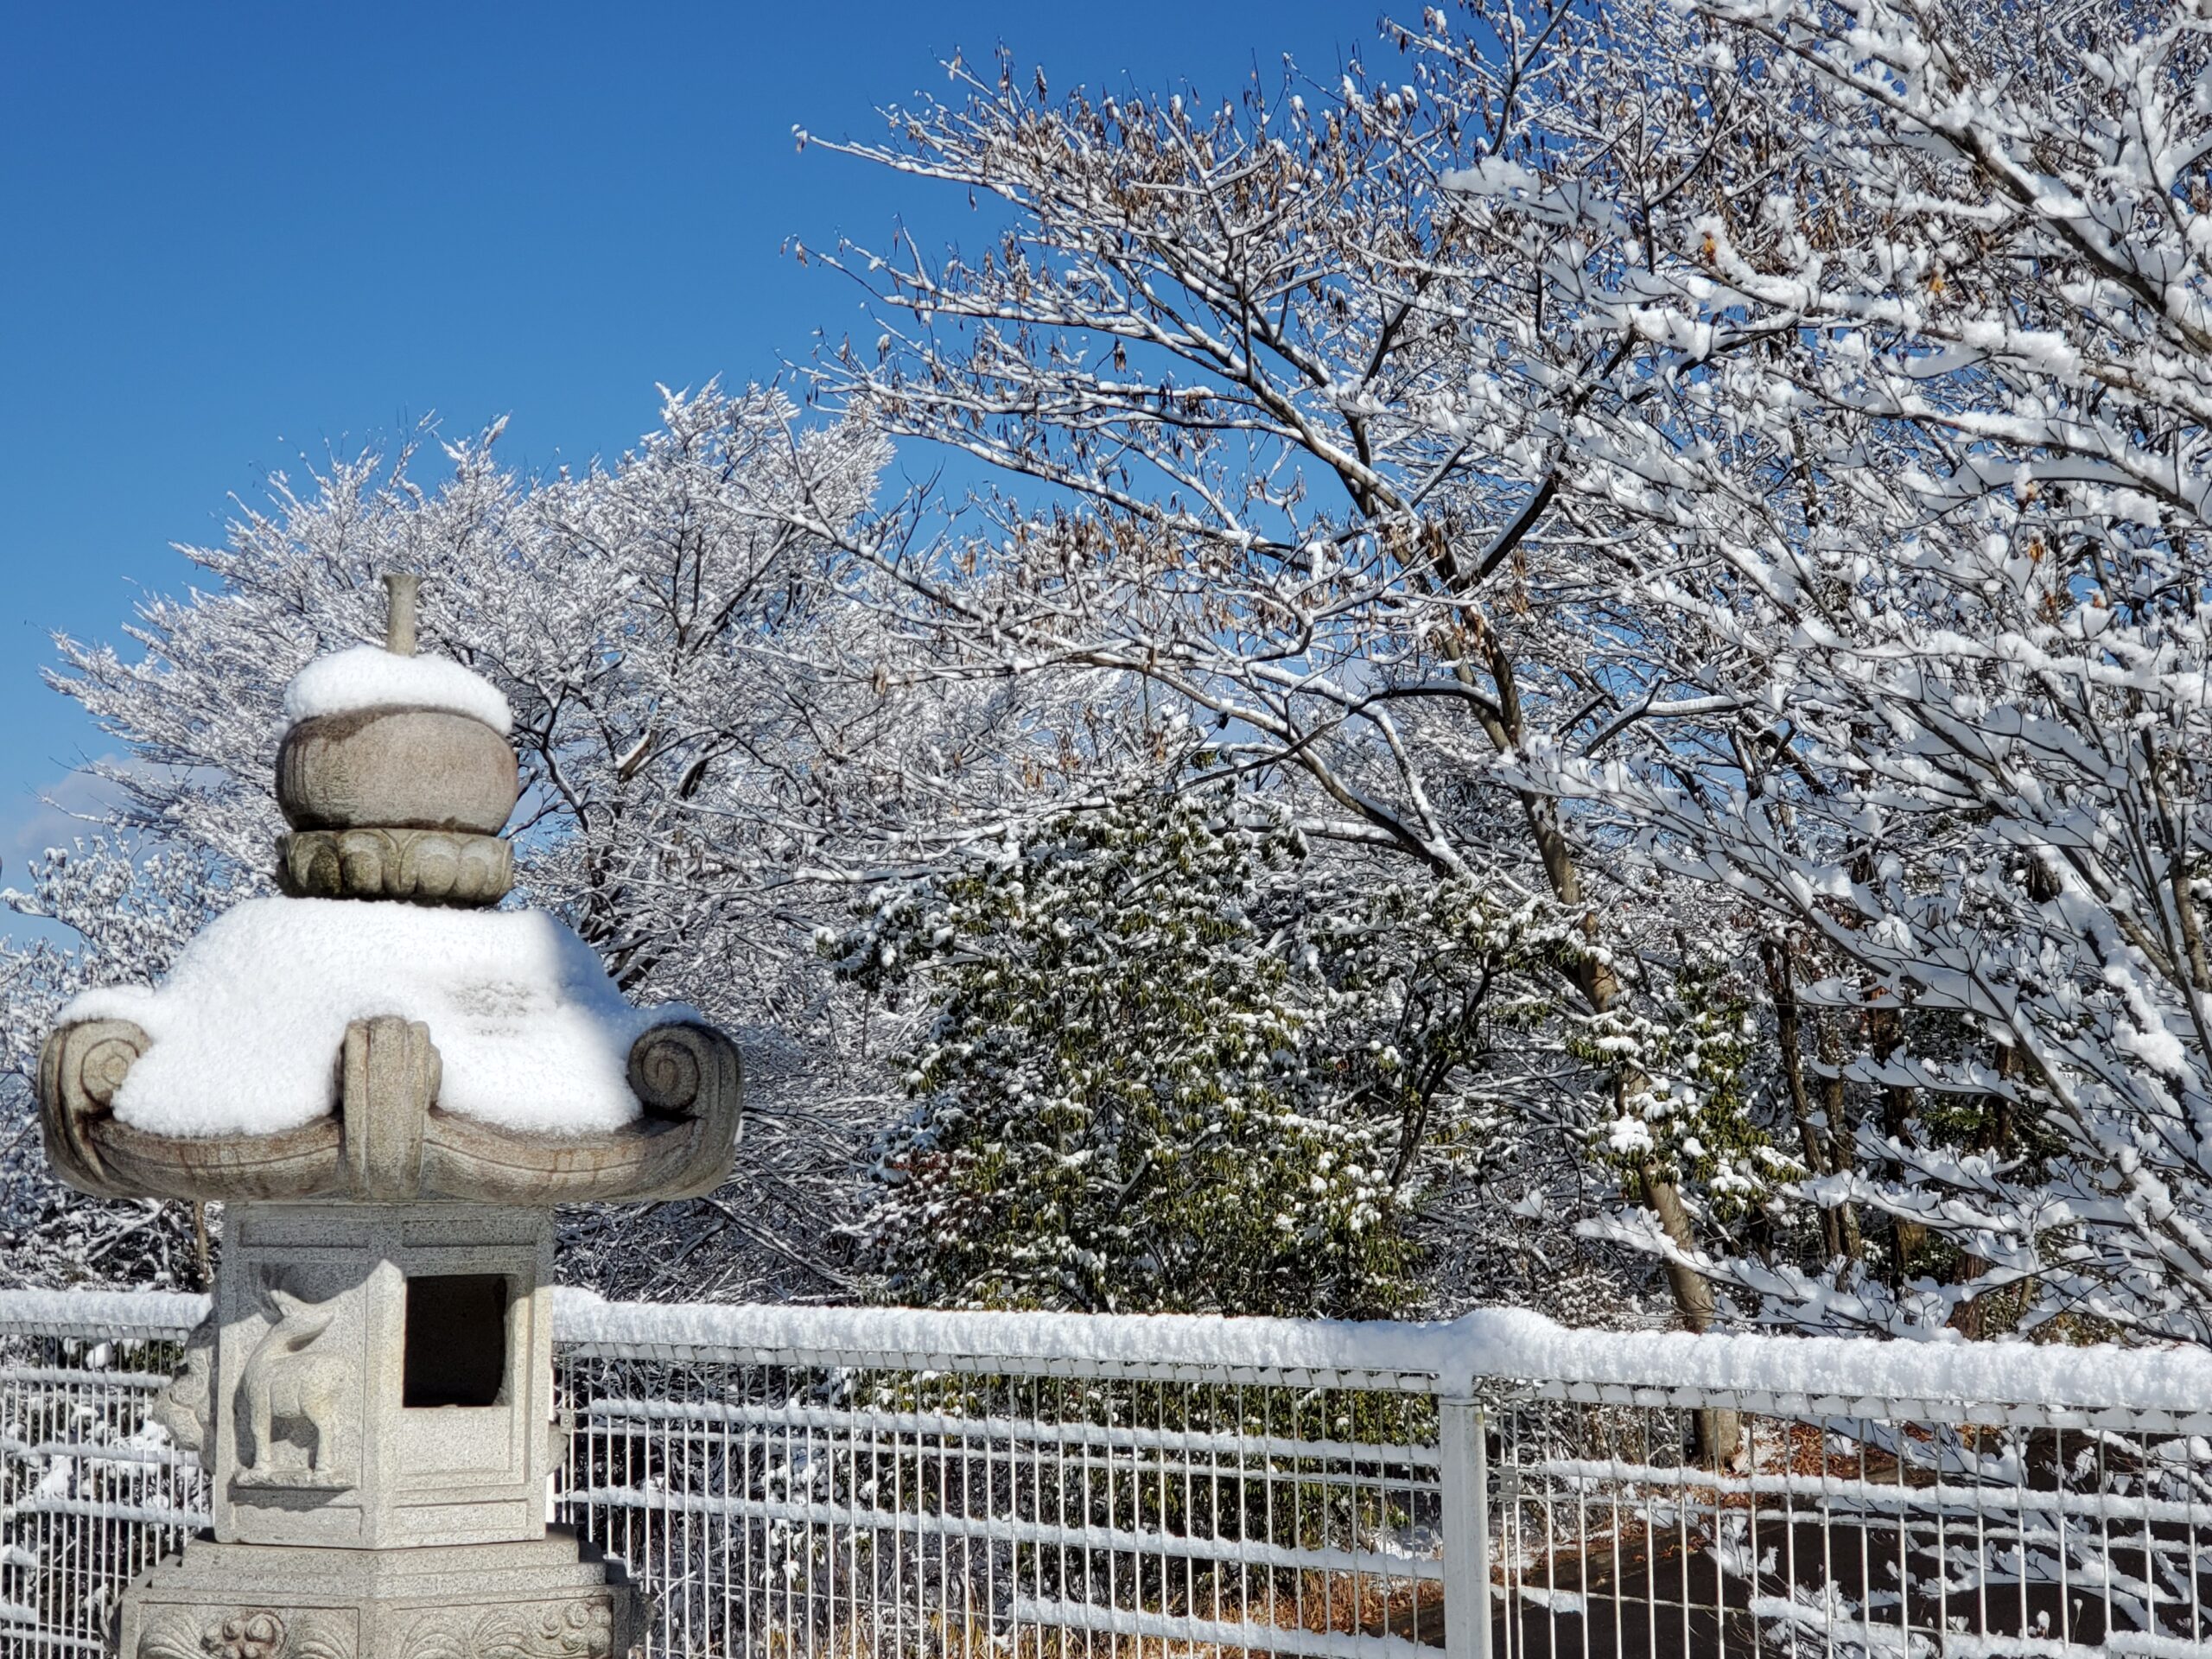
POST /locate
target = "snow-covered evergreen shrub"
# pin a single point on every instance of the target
(1121, 1103)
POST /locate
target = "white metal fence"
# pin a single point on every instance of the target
(835, 1481)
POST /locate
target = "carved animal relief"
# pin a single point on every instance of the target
(186, 1405)
(298, 1400)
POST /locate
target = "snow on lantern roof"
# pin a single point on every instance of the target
(370, 677)
(532, 1035)
(381, 1033)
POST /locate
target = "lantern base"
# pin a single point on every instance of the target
(550, 1599)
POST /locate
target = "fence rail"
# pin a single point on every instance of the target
(844, 1482)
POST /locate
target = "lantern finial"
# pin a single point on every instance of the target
(401, 586)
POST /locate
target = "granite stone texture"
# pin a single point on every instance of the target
(546, 1598)
(388, 1141)
(372, 1392)
(424, 867)
(396, 769)
(338, 1417)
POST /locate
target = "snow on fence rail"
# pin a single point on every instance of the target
(841, 1482)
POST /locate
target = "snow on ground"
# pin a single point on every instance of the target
(369, 676)
(248, 1026)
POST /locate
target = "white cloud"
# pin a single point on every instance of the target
(53, 816)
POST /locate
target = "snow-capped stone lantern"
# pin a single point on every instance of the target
(388, 1086)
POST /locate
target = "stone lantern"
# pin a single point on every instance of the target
(388, 1086)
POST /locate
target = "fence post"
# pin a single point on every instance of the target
(1464, 1478)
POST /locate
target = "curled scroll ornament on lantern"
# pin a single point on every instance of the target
(689, 1070)
(390, 1073)
(79, 1070)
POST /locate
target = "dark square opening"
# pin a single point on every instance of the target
(456, 1340)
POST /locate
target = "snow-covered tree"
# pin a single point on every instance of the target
(125, 912)
(1773, 431)
(712, 751)
(1334, 431)
(1933, 499)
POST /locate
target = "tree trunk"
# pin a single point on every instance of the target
(1720, 1430)
(1599, 987)
(1993, 1134)
(1843, 1133)
(1908, 1239)
(1774, 955)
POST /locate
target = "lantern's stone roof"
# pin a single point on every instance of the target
(381, 1034)
(532, 1035)
(370, 677)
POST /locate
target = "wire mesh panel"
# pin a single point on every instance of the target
(1846, 1534)
(842, 1511)
(777, 1497)
(91, 1494)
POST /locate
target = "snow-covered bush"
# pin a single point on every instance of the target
(1177, 1057)
(1118, 1101)
(126, 911)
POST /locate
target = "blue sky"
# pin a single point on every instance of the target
(237, 234)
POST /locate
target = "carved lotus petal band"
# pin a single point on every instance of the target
(428, 867)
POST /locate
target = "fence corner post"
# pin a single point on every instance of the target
(1464, 1455)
